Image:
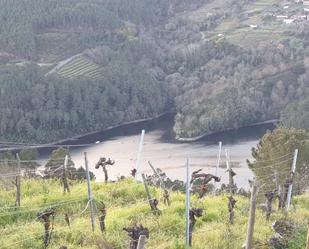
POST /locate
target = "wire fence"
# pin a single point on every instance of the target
(144, 208)
(159, 230)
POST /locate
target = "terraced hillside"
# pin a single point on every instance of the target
(80, 66)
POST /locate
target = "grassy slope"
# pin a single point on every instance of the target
(125, 205)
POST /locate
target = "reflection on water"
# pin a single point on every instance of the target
(121, 144)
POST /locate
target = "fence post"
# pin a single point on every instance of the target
(218, 158)
(307, 245)
(139, 155)
(251, 221)
(90, 198)
(227, 159)
(66, 186)
(141, 242)
(278, 189)
(288, 201)
(157, 174)
(229, 169)
(276, 181)
(188, 176)
(152, 201)
(18, 181)
(146, 187)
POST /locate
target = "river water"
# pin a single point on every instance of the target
(121, 144)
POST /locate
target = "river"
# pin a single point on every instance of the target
(121, 144)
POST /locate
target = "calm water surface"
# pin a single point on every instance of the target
(121, 144)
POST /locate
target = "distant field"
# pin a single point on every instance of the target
(252, 37)
(80, 67)
(240, 33)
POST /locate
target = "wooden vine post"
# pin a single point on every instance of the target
(18, 181)
(231, 172)
(102, 216)
(166, 194)
(218, 164)
(188, 187)
(307, 245)
(66, 187)
(90, 198)
(231, 206)
(270, 196)
(157, 174)
(251, 222)
(141, 242)
(152, 202)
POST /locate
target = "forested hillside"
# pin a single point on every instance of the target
(70, 67)
(44, 108)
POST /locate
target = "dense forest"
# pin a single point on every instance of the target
(296, 113)
(148, 57)
(44, 108)
(245, 87)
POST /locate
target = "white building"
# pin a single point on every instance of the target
(253, 26)
(281, 17)
(288, 21)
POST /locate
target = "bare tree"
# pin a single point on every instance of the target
(103, 162)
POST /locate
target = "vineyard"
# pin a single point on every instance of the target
(80, 67)
(59, 206)
(126, 205)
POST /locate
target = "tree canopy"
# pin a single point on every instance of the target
(151, 57)
(38, 108)
(273, 158)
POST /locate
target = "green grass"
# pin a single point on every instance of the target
(80, 67)
(127, 204)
